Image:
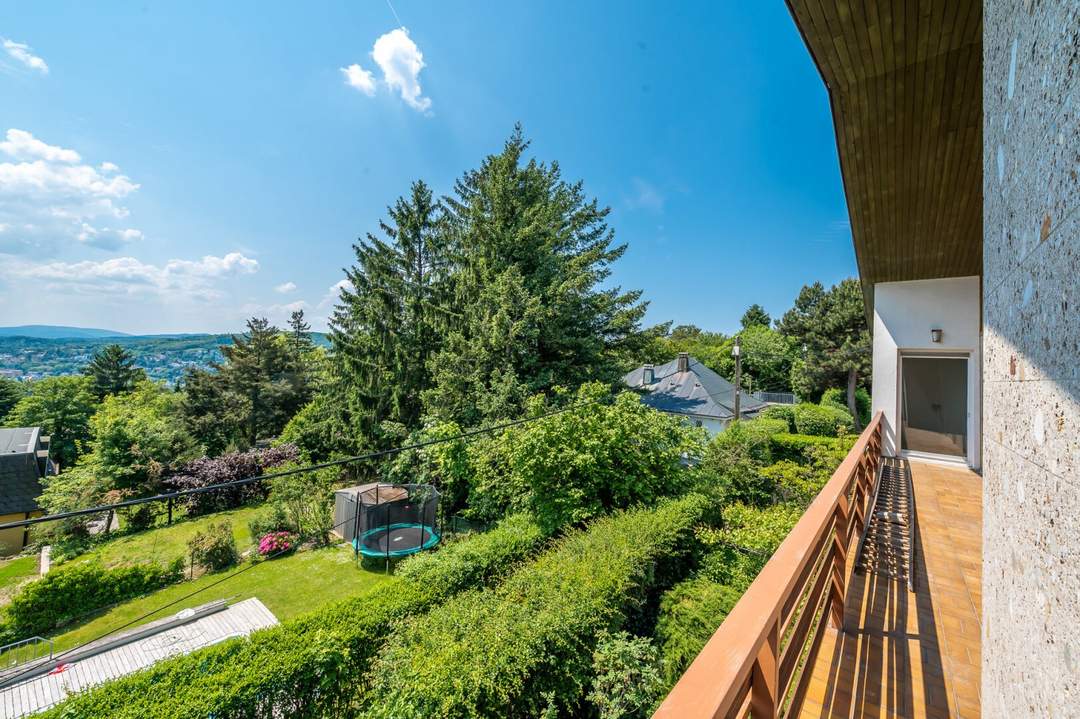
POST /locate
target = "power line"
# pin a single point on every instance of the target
(289, 472)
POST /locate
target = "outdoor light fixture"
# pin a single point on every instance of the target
(735, 349)
(935, 335)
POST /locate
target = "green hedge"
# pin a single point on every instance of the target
(526, 646)
(827, 421)
(838, 398)
(311, 666)
(63, 595)
(793, 446)
(784, 412)
(689, 614)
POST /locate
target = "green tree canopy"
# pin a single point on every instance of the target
(755, 316)
(10, 394)
(829, 329)
(112, 370)
(62, 407)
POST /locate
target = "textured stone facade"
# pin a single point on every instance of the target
(1031, 359)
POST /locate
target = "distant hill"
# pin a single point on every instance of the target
(52, 332)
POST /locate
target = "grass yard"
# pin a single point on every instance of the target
(14, 572)
(288, 586)
(164, 544)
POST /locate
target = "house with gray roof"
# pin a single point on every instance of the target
(24, 462)
(686, 387)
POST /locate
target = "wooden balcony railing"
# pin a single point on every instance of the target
(754, 662)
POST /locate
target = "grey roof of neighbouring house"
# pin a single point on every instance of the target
(699, 391)
(20, 482)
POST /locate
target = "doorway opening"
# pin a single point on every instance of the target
(934, 405)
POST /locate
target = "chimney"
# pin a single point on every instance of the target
(684, 362)
(648, 374)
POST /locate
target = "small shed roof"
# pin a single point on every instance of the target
(42, 692)
(698, 391)
(376, 492)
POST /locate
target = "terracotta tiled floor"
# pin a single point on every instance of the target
(912, 654)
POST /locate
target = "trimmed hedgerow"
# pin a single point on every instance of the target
(784, 412)
(63, 595)
(689, 614)
(526, 646)
(793, 447)
(311, 666)
(822, 421)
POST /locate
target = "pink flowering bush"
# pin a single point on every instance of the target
(275, 542)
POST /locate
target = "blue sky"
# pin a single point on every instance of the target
(177, 168)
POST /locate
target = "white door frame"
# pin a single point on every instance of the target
(970, 429)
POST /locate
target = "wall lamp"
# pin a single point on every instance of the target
(935, 335)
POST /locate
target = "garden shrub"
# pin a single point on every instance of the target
(784, 412)
(310, 666)
(214, 548)
(626, 676)
(730, 468)
(270, 519)
(65, 594)
(584, 463)
(822, 421)
(794, 447)
(835, 397)
(230, 467)
(526, 647)
(307, 501)
(276, 543)
(689, 614)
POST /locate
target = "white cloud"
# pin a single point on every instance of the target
(401, 62)
(176, 280)
(361, 79)
(285, 288)
(646, 196)
(21, 52)
(333, 294)
(22, 145)
(51, 195)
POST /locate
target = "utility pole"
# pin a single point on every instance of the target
(738, 375)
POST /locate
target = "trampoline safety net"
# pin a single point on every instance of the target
(389, 520)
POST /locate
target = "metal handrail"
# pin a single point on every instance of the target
(748, 666)
(10, 653)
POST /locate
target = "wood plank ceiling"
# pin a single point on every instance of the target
(905, 84)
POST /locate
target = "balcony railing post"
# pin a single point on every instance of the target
(838, 560)
(765, 679)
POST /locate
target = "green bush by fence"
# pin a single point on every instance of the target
(783, 412)
(527, 645)
(689, 614)
(822, 421)
(65, 594)
(836, 397)
(311, 666)
(793, 447)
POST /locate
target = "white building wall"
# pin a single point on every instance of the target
(904, 314)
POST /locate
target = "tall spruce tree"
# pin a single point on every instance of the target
(393, 317)
(299, 333)
(112, 370)
(829, 329)
(531, 251)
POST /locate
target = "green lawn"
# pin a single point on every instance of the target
(14, 572)
(288, 586)
(164, 544)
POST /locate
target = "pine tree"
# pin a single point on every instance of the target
(829, 328)
(755, 316)
(260, 371)
(112, 370)
(392, 319)
(531, 251)
(299, 333)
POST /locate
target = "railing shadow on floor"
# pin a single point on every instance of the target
(870, 672)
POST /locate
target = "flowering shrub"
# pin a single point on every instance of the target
(276, 542)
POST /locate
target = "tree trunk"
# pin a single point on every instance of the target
(852, 376)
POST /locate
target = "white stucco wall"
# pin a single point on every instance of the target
(904, 314)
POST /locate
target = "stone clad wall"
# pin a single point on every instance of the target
(1031, 370)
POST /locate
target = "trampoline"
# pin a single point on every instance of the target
(388, 520)
(397, 540)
